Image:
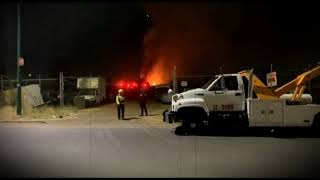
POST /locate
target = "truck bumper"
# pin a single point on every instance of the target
(169, 116)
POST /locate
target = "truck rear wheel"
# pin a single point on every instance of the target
(316, 122)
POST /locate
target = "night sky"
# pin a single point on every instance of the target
(111, 38)
(79, 38)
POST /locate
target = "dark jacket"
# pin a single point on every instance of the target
(143, 97)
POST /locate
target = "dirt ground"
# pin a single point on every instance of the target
(8, 113)
(101, 113)
(106, 116)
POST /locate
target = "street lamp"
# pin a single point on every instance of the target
(18, 96)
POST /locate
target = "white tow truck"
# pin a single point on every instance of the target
(243, 100)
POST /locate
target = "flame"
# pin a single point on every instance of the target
(157, 66)
(160, 72)
(187, 37)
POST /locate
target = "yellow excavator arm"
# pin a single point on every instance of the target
(299, 84)
(261, 90)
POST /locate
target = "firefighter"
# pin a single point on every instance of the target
(120, 104)
(142, 101)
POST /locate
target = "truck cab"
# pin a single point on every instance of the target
(220, 100)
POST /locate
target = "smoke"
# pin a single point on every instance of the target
(194, 37)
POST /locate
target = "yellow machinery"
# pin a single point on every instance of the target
(299, 84)
(261, 90)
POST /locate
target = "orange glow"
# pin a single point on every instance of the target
(160, 72)
(184, 36)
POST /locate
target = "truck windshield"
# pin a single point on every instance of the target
(208, 83)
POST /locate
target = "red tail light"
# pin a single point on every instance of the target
(145, 85)
(120, 84)
(130, 85)
(135, 85)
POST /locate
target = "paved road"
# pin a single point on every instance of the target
(43, 150)
(105, 147)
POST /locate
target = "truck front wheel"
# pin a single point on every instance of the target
(192, 119)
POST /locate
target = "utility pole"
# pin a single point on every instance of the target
(220, 69)
(18, 96)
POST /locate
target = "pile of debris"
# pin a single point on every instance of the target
(32, 105)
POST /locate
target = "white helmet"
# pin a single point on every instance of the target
(120, 91)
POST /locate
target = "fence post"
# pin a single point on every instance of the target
(1, 84)
(175, 87)
(2, 90)
(61, 84)
(39, 81)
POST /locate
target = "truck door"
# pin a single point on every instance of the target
(225, 95)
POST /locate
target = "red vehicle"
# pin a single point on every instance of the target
(131, 87)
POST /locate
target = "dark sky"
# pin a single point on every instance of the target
(201, 37)
(79, 38)
(83, 37)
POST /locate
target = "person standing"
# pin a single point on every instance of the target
(120, 104)
(142, 101)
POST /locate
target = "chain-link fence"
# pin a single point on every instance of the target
(59, 90)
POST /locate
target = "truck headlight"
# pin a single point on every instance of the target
(177, 97)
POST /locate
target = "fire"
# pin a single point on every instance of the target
(160, 73)
(158, 59)
(185, 36)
